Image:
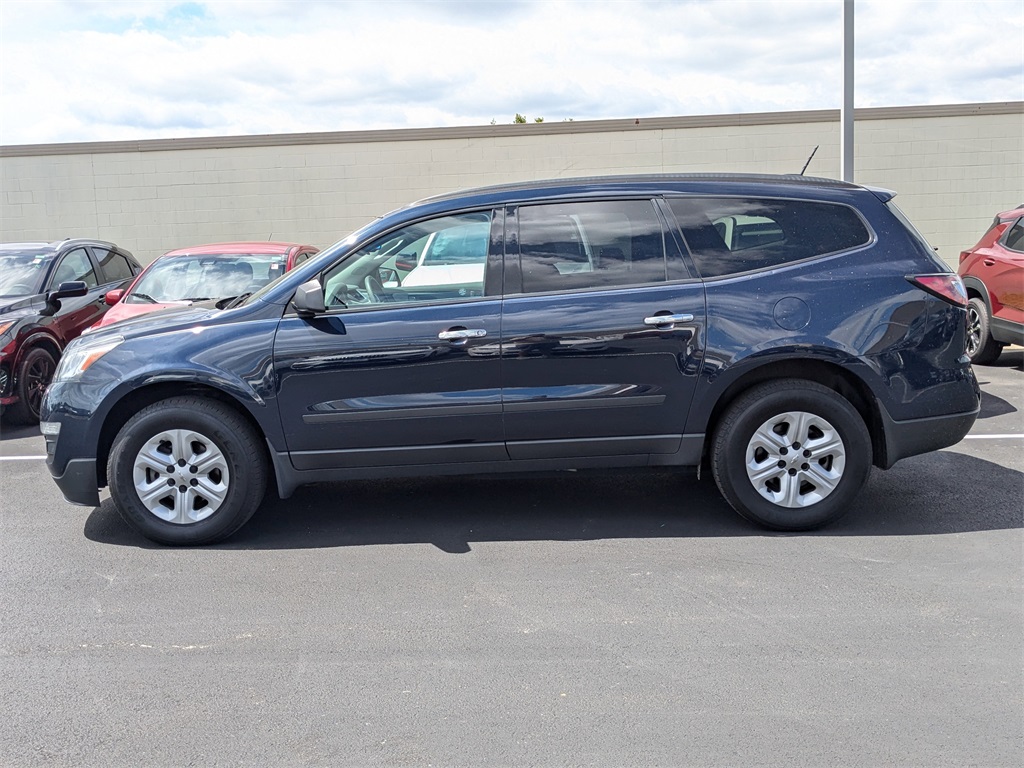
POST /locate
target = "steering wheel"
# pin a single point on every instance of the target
(374, 289)
(21, 289)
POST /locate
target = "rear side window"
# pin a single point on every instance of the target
(731, 235)
(601, 244)
(114, 266)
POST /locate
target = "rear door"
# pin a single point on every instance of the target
(1002, 270)
(602, 332)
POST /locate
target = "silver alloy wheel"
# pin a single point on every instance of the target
(795, 459)
(181, 476)
(974, 340)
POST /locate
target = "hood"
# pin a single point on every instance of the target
(20, 305)
(122, 311)
(154, 323)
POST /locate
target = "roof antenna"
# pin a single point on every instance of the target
(809, 160)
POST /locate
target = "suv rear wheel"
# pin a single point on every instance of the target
(791, 454)
(981, 347)
(187, 471)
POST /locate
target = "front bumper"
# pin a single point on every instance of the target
(77, 482)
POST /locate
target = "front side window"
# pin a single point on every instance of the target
(601, 244)
(731, 235)
(435, 260)
(75, 266)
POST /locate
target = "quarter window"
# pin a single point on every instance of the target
(1015, 237)
(437, 260)
(569, 246)
(75, 266)
(730, 235)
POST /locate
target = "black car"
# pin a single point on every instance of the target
(37, 322)
(788, 333)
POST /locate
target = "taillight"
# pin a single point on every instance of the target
(946, 286)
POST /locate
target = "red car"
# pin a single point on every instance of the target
(204, 273)
(993, 273)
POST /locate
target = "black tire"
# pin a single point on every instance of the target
(795, 423)
(981, 347)
(35, 372)
(209, 496)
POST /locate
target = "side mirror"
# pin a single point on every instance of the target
(309, 298)
(113, 297)
(389, 277)
(64, 291)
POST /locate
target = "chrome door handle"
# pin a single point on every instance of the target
(668, 319)
(462, 333)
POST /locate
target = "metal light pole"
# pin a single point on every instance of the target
(846, 116)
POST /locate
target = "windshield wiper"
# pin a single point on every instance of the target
(238, 300)
(145, 296)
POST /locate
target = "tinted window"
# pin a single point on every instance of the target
(1015, 237)
(74, 266)
(730, 235)
(568, 246)
(435, 260)
(114, 266)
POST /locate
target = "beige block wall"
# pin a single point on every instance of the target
(954, 167)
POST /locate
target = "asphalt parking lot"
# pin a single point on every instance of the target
(618, 619)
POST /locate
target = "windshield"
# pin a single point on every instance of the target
(200, 278)
(23, 273)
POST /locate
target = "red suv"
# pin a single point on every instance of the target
(993, 273)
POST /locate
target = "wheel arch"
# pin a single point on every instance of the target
(37, 340)
(140, 398)
(835, 377)
(976, 289)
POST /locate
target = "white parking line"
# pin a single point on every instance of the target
(22, 458)
(994, 437)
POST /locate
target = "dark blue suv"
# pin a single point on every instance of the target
(786, 332)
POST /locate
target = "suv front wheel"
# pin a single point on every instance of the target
(791, 454)
(187, 471)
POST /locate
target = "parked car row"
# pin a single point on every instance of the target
(785, 333)
(51, 293)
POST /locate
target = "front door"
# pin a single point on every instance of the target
(403, 369)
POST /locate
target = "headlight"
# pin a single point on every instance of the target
(83, 353)
(5, 325)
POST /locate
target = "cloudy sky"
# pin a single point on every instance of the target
(104, 70)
